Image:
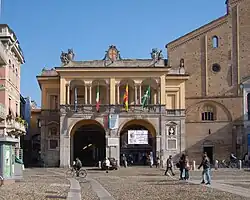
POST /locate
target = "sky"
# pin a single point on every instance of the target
(44, 28)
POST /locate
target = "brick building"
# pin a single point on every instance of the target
(216, 56)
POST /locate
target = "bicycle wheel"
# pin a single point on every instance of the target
(82, 173)
(70, 173)
(1, 181)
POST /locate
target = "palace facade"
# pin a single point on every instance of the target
(201, 90)
(83, 113)
(217, 59)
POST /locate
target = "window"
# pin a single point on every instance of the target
(216, 67)
(53, 144)
(248, 105)
(215, 42)
(9, 70)
(208, 113)
(16, 110)
(54, 102)
(53, 131)
(9, 106)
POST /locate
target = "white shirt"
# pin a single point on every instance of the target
(107, 162)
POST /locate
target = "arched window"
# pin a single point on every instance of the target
(215, 42)
(248, 106)
(208, 113)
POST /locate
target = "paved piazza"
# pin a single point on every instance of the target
(132, 183)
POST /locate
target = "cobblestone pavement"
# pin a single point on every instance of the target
(149, 184)
(133, 183)
(38, 184)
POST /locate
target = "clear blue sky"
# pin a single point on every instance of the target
(46, 27)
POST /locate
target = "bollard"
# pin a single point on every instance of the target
(99, 164)
(240, 164)
(216, 165)
(194, 166)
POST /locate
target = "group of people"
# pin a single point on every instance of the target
(184, 167)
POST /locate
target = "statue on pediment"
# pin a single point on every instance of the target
(66, 57)
(156, 54)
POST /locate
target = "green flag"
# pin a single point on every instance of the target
(145, 98)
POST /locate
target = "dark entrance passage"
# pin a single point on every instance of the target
(89, 144)
(137, 152)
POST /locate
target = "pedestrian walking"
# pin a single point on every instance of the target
(124, 160)
(205, 163)
(169, 166)
(182, 165)
(187, 168)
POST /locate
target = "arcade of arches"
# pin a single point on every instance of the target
(88, 142)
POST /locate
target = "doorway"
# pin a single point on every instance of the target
(210, 153)
(89, 144)
(137, 153)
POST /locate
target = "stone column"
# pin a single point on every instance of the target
(140, 94)
(107, 94)
(90, 94)
(118, 93)
(155, 97)
(86, 94)
(136, 97)
(75, 98)
(68, 94)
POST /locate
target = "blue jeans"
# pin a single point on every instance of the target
(206, 174)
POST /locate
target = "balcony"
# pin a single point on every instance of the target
(175, 112)
(2, 112)
(119, 109)
(15, 126)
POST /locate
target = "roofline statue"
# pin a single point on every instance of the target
(66, 57)
(156, 55)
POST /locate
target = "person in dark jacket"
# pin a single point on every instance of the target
(182, 165)
(169, 166)
(205, 163)
(77, 166)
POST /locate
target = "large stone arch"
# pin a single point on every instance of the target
(76, 123)
(137, 152)
(87, 141)
(143, 122)
(199, 106)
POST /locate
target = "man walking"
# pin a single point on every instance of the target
(205, 163)
(169, 166)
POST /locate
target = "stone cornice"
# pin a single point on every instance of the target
(204, 29)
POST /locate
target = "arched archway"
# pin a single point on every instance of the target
(88, 142)
(136, 150)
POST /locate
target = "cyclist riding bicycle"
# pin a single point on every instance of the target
(77, 165)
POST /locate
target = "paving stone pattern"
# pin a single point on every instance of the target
(36, 185)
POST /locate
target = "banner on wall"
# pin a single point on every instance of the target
(113, 121)
(137, 136)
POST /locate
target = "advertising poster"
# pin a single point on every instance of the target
(137, 137)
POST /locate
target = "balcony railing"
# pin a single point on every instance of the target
(90, 109)
(175, 112)
(15, 128)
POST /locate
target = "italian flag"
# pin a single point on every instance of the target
(97, 98)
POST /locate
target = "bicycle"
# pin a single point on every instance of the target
(71, 172)
(1, 181)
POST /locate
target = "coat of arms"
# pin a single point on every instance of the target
(112, 54)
